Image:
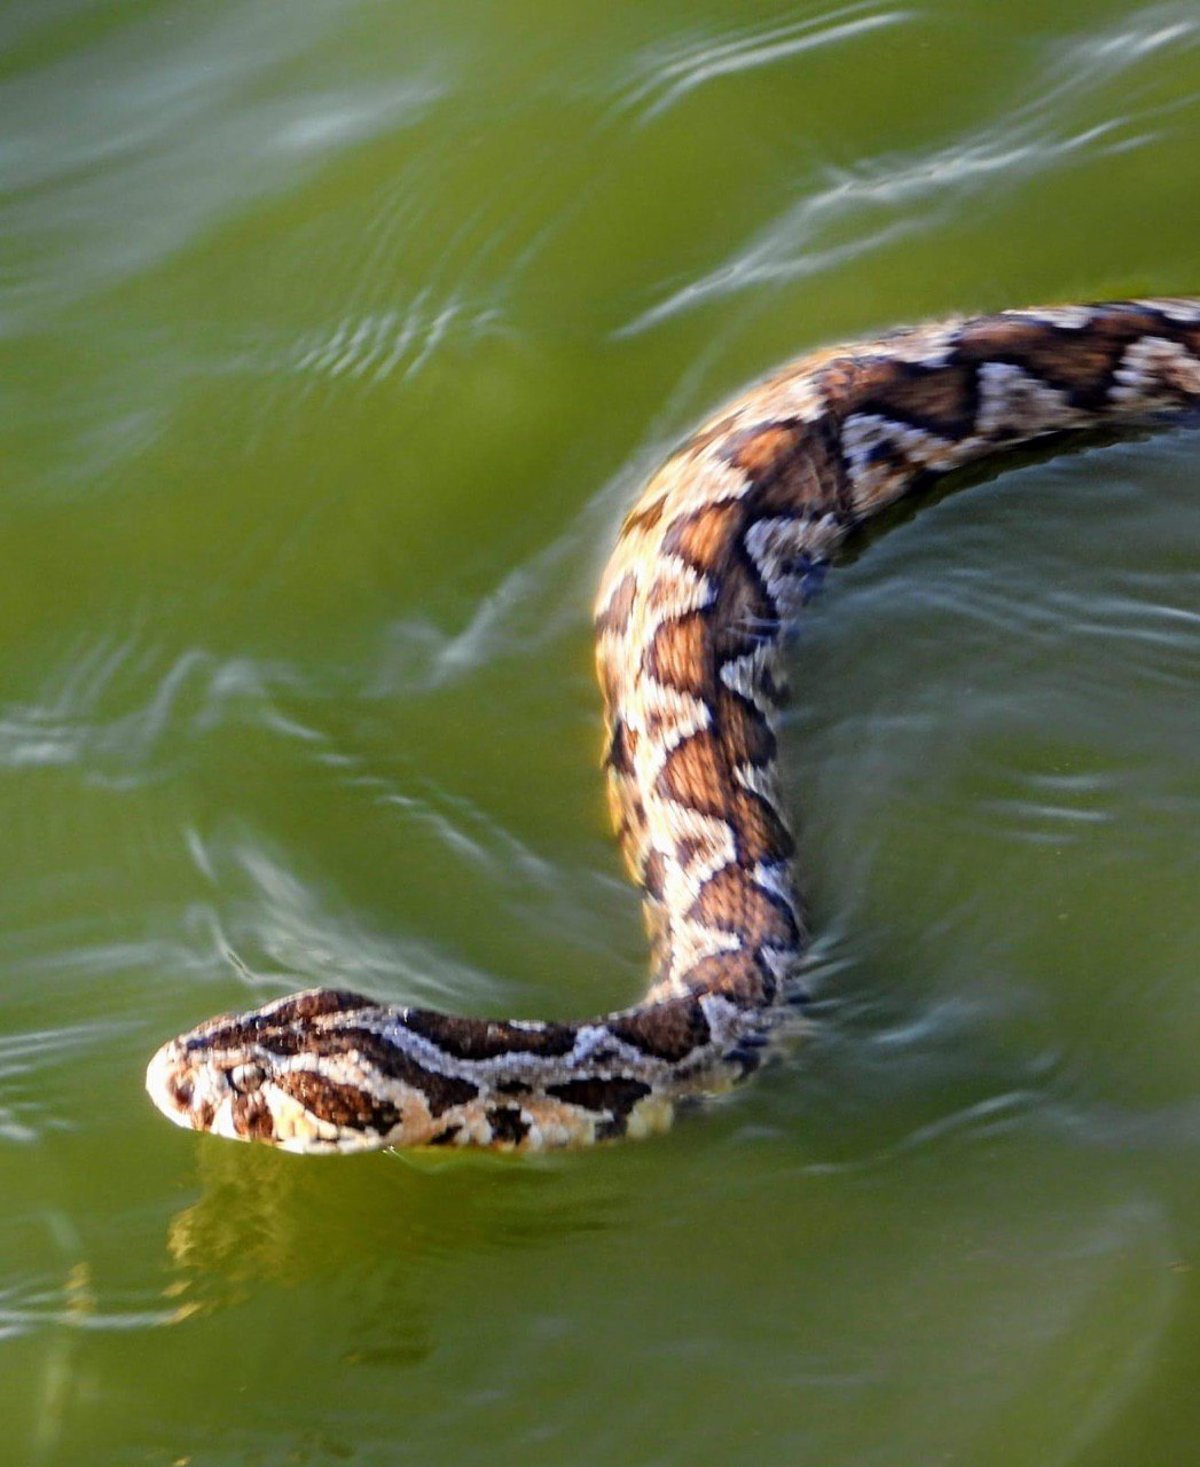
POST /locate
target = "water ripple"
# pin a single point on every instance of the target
(69, 722)
(868, 206)
(1111, 52)
(856, 210)
(72, 1305)
(675, 72)
(379, 344)
(268, 906)
(531, 606)
(26, 1053)
(197, 119)
(538, 601)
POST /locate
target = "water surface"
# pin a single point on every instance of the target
(335, 338)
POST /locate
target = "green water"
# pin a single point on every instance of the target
(334, 338)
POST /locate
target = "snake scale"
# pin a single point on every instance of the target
(725, 544)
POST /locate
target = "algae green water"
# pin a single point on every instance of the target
(333, 339)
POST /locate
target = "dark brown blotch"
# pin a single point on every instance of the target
(704, 538)
(758, 830)
(484, 1039)
(622, 745)
(645, 514)
(765, 451)
(681, 656)
(667, 1031)
(942, 400)
(736, 976)
(696, 773)
(441, 1091)
(839, 381)
(285, 1041)
(615, 1096)
(654, 875)
(744, 732)
(182, 1092)
(688, 847)
(305, 1007)
(513, 1087)
(732, 902)
(617, 611)
(275, 1025)
(345, 1106)
(251, 1118)
(1080, 363)
(743, 615)
(509, 1126)
(796, 469)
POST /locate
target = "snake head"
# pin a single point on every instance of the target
(289, 1074)
(330, 1071)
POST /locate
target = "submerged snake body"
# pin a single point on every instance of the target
(722, 548)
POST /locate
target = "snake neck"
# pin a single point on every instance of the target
(726, 543)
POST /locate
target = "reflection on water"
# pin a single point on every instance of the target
(259, 1217)
(334, 344)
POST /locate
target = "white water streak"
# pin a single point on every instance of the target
(859, 209)
(695, 66)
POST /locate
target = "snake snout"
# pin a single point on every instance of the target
(169, 1085)
(178, 1088)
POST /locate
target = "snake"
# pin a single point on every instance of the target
(725, 545)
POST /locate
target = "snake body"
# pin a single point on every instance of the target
(723, 547)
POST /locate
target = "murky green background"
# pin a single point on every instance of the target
(333, 339)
